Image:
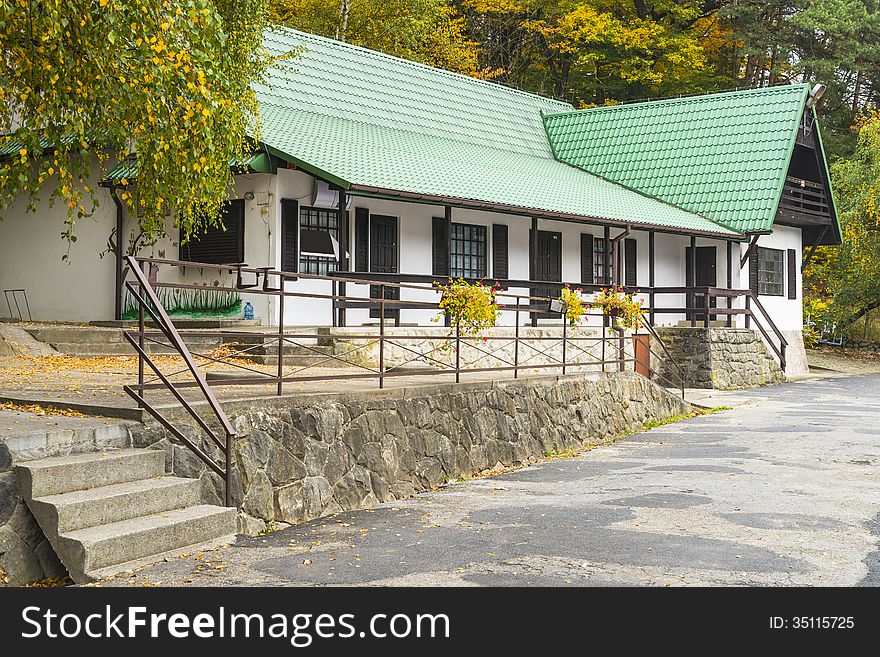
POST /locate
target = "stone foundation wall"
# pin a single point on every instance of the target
(723, 358)
(313, 455)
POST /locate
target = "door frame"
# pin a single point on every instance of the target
(391, 293)
(690, 298)
(533, 275)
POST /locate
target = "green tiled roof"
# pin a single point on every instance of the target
(376, 123)
(724, 156)
(257, 162)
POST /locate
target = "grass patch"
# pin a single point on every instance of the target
(559, 454)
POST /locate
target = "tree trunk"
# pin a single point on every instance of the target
(342, 27)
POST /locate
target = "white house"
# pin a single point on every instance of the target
(418, 171)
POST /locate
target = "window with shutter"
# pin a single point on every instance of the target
(219, 245)
(792, 274)
(630, 263)
(440, 247)
(601, 258)
(324, 220)
(586, 259)
(771, 271)
(467, 251)
(289, 235)
(500, 266)
(753, 271)
(361, 239)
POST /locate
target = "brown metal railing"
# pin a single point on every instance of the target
(449, 352)
(149, 302)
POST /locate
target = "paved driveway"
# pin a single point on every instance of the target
(781, 490)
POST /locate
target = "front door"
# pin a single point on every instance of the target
(700, 274)
(547, 265)
(383, 259)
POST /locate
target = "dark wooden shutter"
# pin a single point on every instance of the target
(753, 271)
(629, 258)
(440, 247)
(792, 274)
(289, 235)
(219, 245)
(361, 239)
(500, 264)
(587, 248)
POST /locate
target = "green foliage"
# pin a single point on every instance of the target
(573, 305)
(204, 302)
(847, 279)
(470, 308)
(426, 31)
(620, 306)
(88, 82)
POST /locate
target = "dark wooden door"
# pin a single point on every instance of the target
(547, 265)
(700, 273)
(383, 259)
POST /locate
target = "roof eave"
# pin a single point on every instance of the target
(472, 204)
(831, 204)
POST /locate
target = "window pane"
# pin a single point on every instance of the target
(467, 251)
(771, 271)
(318, 219)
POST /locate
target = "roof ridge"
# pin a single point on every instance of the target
(400, 127)
(281, 29)
(683, 99)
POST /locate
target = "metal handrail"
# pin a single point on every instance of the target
(783, 343)
(153, 306)
(577, 350)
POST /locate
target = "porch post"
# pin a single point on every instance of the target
(342, 222)
(533, 264)
(447, 214)
(729, 280)
(651, 273)
(692, 279)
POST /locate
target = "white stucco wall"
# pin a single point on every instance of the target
(31, 250)
(787, 313)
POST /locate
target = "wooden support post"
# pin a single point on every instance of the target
(533, 264)
(342, 222)
(516, 343)
(813, 248)
(729, 280)
(381, 336)
(692, 282)
(651, 301)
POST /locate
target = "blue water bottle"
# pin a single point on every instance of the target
(248, 310)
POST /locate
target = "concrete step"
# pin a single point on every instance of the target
(70, 435)
(73, 334)
(64, 474)
(86, 349)
(105, 511)
(67, 512)
(92, 552)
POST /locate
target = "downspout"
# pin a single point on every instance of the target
(615, 255)
(119, 255)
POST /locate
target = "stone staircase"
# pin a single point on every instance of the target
(115, 510)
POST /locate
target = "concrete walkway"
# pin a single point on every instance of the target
(781, 490)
